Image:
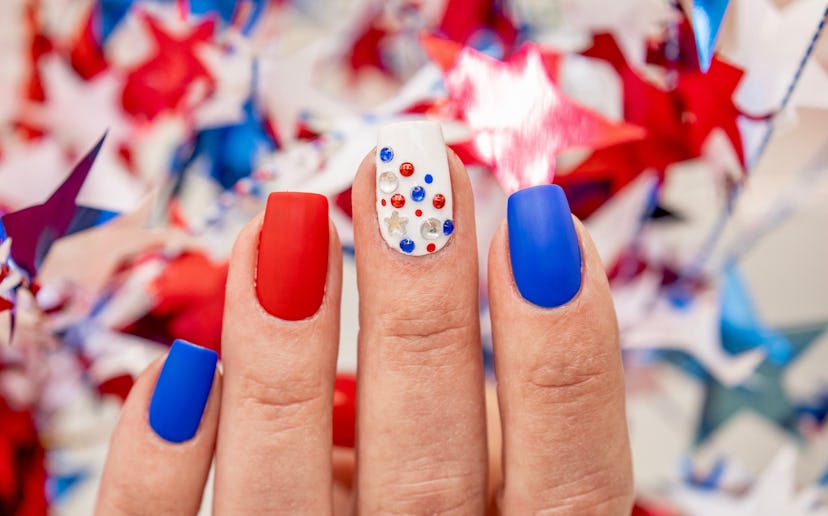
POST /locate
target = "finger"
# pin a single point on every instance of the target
(558, 364)
(279, 347)
(161, 451)
(421, 439)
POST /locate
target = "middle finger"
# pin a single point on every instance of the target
(421, 442)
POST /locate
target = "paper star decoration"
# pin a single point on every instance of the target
(773, 493)
(232, 151)
(763, 392)
(631, 22)
(78, 111)
(707, 20)
(396, 224)
(286, 87)
(519, 118)
(165, 79)
(34, 229)
(678, 123)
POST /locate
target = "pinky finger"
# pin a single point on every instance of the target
(161, 451)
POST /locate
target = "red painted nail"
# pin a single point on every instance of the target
(344, 411)
(293, 255)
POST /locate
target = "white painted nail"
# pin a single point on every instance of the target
(414, 201)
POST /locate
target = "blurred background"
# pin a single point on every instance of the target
(138, 136)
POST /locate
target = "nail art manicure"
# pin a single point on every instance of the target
(414, 200)
(543, 246)
(182, 391)
(293, 255)
(344, 410)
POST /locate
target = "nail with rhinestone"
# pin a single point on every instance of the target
(413, 196)
(388, 182)
(431, 229)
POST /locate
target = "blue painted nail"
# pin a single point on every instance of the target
(182, 390)
(543, 245)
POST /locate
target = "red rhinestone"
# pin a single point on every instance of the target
(431, 247)
(397, 200)
(439, 201)
(418, 213)
(406, 169)
(382, 202)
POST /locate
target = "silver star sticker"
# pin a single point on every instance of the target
(396, 224)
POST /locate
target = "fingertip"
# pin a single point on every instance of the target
(162, 447)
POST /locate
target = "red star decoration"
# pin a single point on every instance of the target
(519, 118)
(678, 122)
(163, 81)
(86, 55)
(463, 20)
(190, 294)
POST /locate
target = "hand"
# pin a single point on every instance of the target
(422, 445)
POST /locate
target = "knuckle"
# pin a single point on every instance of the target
(426, 332)
(568, 379)
(433, 493)
(130, 499)
(596, 499)
(289, 401)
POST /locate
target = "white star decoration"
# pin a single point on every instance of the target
(396, 224)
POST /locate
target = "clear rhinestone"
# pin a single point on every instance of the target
(388, 182)
(431, 229)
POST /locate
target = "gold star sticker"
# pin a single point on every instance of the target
(396, 224)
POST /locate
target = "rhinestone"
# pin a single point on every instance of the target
(431, 229)
(448, 226)
(428, 179)
(397, 200)
(406, 169)
(388, 182)
(439, 201)
(386, 154)
(407, 245)
(417, 193)
(396, 224)
(431, 247)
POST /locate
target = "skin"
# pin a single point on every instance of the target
(432, 439)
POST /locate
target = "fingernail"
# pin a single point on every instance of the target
(293, 255)
(344, 411)
(543, 246)
(181, 391)
(414, 201)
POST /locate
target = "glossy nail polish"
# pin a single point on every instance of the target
(414, 198)
(543, 246)
(292, 266)
(182, 391)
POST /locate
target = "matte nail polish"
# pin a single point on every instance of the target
(292, 266)
(182, 391)
(414, 198)
(344, 410)
(543, 246)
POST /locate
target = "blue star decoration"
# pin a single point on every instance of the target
(763, 392)
(230, 151)
(110, 13)
(707, 20)
(33, 230)
(741, 327)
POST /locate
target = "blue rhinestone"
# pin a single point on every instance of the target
(428, 179)
(417, 193)
(448, 226)
(407, 245)
(386, 154)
